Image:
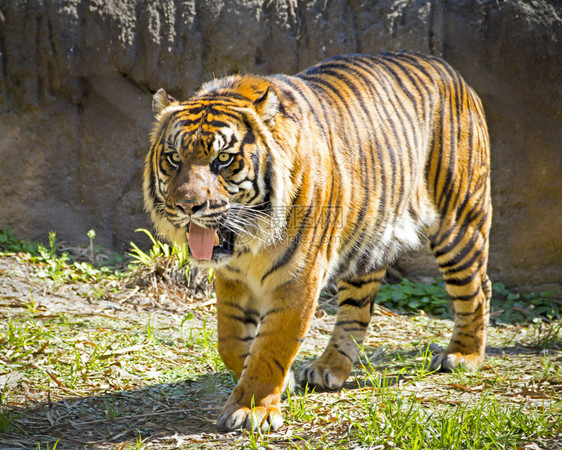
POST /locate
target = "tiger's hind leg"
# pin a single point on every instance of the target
(355, 306)
(462, 255)
(458, 181)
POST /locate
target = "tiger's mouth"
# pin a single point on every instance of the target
(207, 243)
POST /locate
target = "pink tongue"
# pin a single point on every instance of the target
(201, 241)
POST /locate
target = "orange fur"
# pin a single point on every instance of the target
(331, 174)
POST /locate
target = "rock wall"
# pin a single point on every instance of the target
(76, 77)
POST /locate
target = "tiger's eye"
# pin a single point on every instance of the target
(176, 158)
(224, 157)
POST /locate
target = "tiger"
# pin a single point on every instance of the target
(283, 184)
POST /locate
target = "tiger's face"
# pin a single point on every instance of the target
(208, 174)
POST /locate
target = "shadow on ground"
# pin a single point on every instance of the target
(157, 411)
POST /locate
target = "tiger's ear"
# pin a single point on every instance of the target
(160, 101)
(267, 105)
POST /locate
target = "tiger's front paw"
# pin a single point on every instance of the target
(324, 376)
(447, 362)
(257, 418)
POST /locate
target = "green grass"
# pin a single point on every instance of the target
(162, 264)
(297, 407)
(143, 377)
(396, 419)
(88, 355)
(59, 266)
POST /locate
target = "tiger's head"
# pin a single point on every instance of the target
(210, 176)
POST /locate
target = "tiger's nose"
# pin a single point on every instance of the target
(190, 207)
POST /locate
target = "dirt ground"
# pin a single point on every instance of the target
(183, 412)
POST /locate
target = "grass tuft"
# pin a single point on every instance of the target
(166, 265)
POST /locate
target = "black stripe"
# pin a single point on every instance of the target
(420, 86)
(264, 333)
(397, 103)
(463, 298)
(347, 255)
(320, 124)
(415, 61)
(355, 302)
(439, 150)
(188, 110)
(279, 365)
(454, 125)
(389, 89)
(234, 305)
(248, 316)
(272, 311)
(348, 322)
(460, 256)
(461, 234)
(351, 330)
(244, 319)
(477, 209)
(288, 254)
(341, 352)
(255, 158)
(461, 281)
(336, 166)
(361, 283)
(268, 175)
(249, 137)
(216, 123)
(226, 112)
(240, 168)
(452, 197)
(214, 96)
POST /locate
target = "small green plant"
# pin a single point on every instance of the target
(297, 408)
(421, 368)
(52, 244)
(110, 409)
(257, 439)
(11, 245)
(149, 329)
(91, 235)
(19, 334)
(139, 444)
(48, 446)
(509, 306)
(203, 338)
(52, 266)
(31, 305)
(185, 318)
(7, 417)
(411, 297)
(164, 262)
(547, 335)
(159, 250)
